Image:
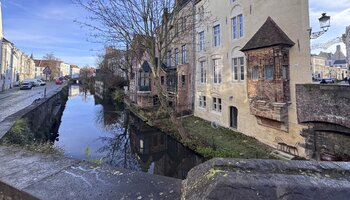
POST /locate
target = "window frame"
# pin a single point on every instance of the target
(217, 71)
(238, 69)
(237, 23)
(266, 67)
(203, 72)
(202, 102)
(216, 35)
(255, 73)
(217, 104)
(184, 54)
(201, 41)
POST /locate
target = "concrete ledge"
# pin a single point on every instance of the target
(28, 175)
(267, 179)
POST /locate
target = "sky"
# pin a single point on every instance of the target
(47, 26)
(339, 11)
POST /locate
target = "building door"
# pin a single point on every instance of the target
(233, 117)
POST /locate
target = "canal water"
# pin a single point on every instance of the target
(99, 132)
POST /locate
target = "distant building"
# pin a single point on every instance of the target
(64, 69)
(74, 71)
(115, 61)
(40, 65)
(336, 65)
(318, 64)
(9, 65)
(87, 72)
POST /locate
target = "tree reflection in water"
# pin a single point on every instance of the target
(119, 138)
(117, 147)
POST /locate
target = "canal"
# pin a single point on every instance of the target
(99, 132)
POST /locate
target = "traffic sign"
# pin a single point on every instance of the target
(47, 70)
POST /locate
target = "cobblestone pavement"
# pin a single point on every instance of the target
(13, 100)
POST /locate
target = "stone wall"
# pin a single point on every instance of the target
(43, 115)
(323, 103)
(267, 179)
(325, 109)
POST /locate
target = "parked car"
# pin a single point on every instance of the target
(34, 82)
(41, 82)
(58, 81)
(16, 84)
(327, 80)
(26, 86)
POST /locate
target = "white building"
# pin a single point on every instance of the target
(64, 69)
(251, 54)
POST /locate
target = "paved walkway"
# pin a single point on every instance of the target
(14, 100)
(28, 175)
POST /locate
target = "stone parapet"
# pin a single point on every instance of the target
(267, 179)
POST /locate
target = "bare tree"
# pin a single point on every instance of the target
(53, 63)
(155, 22)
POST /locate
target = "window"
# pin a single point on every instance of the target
(176, 56)
(216, 30)
(217, 71)
(202, 101)
(203, 71)
(238, 68)
(269, 72)
(237, 26)
(183, 80)
(285, 72)
(201, 41)
(144, 79)
(184, 54)
(169, 59)
(201, 13)
(176, 28)
(240, 22)
(217, 104)
(162, 80)
(255, 73)
(183, 24)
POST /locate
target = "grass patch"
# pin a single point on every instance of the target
(206, 140)
(223, 142)
(20, 136)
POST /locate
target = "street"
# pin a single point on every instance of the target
(13, 100)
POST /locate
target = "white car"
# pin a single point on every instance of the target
(34, 82)
(41, 82)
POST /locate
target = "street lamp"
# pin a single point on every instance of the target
(325, 23)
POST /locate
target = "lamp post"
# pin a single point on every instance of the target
(325, 23)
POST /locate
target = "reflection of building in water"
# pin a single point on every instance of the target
(99, 89)
(74, 90)
(170, 158)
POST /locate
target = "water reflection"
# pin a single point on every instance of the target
(119, 138)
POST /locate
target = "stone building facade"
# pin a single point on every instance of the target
(252, 89)
(177, 71)
(346, 40)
